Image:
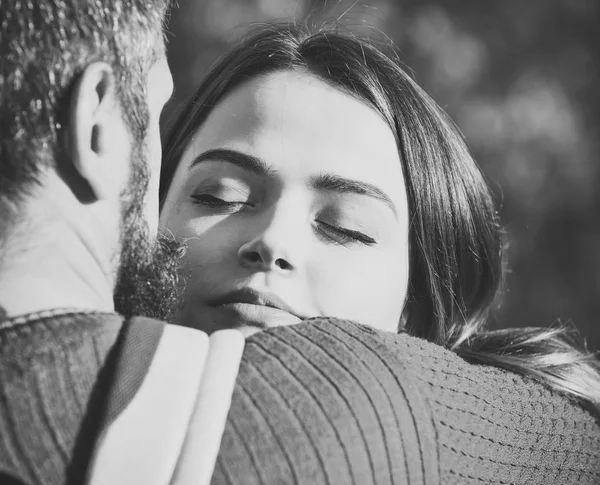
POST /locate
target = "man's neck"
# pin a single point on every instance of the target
(52, 268)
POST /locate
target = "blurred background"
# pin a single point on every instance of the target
(520, 79)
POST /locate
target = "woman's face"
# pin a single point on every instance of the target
(292, 201)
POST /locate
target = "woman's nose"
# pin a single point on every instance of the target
(263, 255)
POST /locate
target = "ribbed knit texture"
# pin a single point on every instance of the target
(325, 401)
(49, 368)
(332, 402)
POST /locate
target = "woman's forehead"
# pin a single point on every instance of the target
(296, 121)
(286, 98)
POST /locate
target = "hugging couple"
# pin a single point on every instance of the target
(320, 218)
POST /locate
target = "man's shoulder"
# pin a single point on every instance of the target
(53, 372)
(62, 330)
(356, 358)
(340, 396)
(349, 394)
(360, 345)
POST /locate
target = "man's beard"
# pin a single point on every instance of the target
(148, 281)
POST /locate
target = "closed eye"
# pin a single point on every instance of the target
(212, 202)
(343, 236)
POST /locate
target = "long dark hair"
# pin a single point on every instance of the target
(455, 236)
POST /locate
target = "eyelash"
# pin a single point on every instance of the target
(332, 233)
(210, 201)
(343, 236)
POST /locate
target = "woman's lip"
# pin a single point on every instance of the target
(250, 296)
(241, 314)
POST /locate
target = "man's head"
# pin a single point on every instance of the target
(47, 46)
(82, 85)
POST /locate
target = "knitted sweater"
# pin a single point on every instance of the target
(325, 401)
(51, 388)
(334, 402)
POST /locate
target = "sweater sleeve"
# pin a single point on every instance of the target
(326, 402)
(495, 426)
(334, 402)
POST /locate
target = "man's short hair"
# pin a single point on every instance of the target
(45, 45)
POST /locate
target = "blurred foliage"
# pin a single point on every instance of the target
(521, 81)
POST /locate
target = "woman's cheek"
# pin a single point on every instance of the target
(369, 292)
(211, 247)
(338, 290)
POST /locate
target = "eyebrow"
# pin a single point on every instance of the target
(325, 182)
(242, 160)
(330, 182)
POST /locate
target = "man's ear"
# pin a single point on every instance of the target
(93, 111)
